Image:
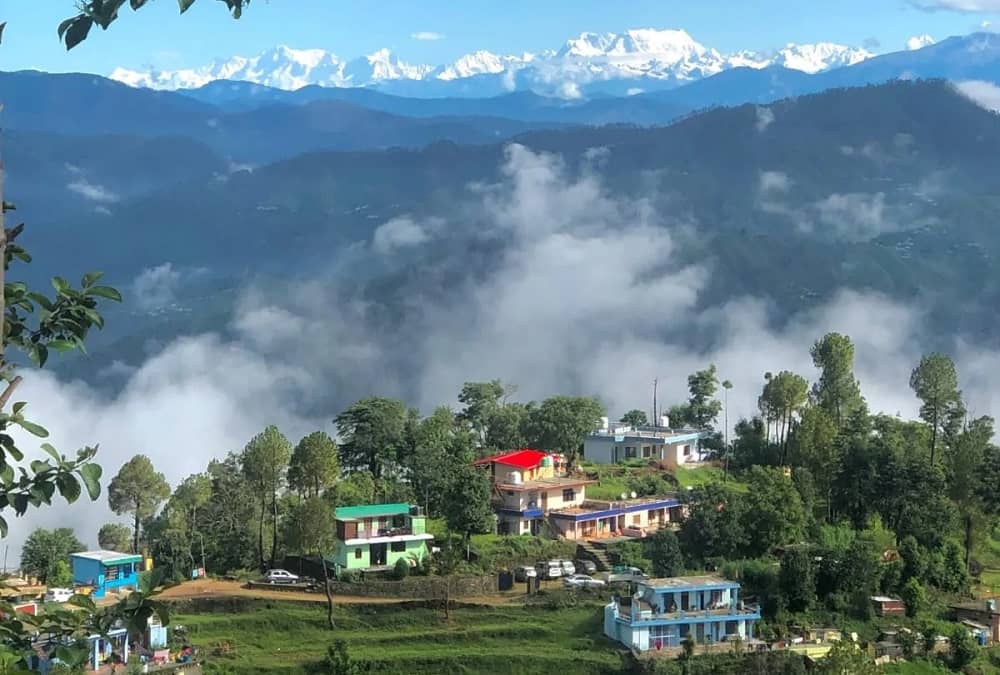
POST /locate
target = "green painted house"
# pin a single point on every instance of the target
(376, 536)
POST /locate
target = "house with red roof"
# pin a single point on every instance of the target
(527, 485)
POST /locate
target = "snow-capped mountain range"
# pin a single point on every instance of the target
(628, 62)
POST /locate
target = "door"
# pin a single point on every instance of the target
(378, 556)
(545, 501)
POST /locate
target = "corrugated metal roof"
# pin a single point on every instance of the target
(370, 511)
(107, 557)
(526, 458)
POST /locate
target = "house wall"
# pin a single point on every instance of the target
(502, 472)
(85, 571)
(599, 449)
(127, 575)
(346, 556)
(520, 500)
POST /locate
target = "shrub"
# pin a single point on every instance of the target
(914, 596)
(401, 569)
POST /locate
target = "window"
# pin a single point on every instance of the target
(568, 495)
(636, 519)
(357, 553)
(510, 493)
(687, 450)
(630, 451)
(647, 451)
(397, 546)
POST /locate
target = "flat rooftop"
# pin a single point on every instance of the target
(107, 556)
(599, 505)
(546, 483)
(685, 582)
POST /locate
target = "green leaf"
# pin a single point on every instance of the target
(40, 299)
(105, 292)
(91, 475)
(3, 526)
(16, 454)
(69, 487)
(7, 474)
(41, 354)
(77, 31)
(185, 5)
(90, 278)
(137, 4)
(3, 24)
(62, 345)
(64, 25)
(60, 284)
(47, 447)
(34, 429)
(19, 406)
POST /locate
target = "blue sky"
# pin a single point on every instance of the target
(156, 36)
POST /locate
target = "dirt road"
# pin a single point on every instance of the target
(219, 588)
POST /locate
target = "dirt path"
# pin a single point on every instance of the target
(219, 588)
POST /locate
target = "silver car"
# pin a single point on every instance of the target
(582, 581)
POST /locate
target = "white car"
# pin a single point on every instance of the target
(525, 572)
(568, 568)
(582, 581)
(58, 594)
(281, 577)
(548, 570)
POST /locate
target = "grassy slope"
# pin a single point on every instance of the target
(287, 638)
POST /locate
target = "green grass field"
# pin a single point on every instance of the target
(290, 638)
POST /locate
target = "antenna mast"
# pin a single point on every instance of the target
(655, 417)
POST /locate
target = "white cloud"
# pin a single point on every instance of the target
(155, 287)
(774, 181)
(426, 35)
(765, 117)
(958, 5)
(919, 42)
(398, 233)
(985, 94)
(91, 191)
(855, 216)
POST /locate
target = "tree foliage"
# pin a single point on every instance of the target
(115, 537)
(314, 466)
(664, 550)
(312, 531)
(265, 460)
(467, 504)
(635, 418)
(935, 382)
(43, 550)
(373, 435)
(137, 489)
(837, 391)
(560, 423)
(702, 406)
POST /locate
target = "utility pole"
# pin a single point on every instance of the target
(726, 386)
(656, 419)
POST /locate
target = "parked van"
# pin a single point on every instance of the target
(568, 568)
(549, 569)
(58, 595)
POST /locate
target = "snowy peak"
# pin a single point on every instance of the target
(818, 57)
(661, 58)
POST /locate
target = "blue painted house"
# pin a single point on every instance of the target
(663, 613)
(614, 443)
(106, 571)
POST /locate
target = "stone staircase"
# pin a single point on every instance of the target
(595, 552)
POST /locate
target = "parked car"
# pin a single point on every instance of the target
(582, 581)
(281, 577)
(549, 569)
(525, 572)
(625, 573)
(585, 566)
(568, 569)
(58, 594)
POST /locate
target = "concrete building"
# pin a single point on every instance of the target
(614, 443)
(376, 536)
(106, 571)
(663, 613)
(598, 519)
(527, 486)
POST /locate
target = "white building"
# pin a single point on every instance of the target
(616, 442)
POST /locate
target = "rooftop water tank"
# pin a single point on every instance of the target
(604, 423)
(547, 460)
(665, 421)
(515, 477)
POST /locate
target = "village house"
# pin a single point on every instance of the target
(663, 613)
(375, 536)
(527, 486)
(599, 519)
(104, 571)
(982, 617)
(886, 606)
(533, 495)
(616, 442)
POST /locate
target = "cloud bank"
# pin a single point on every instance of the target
(590, 294)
